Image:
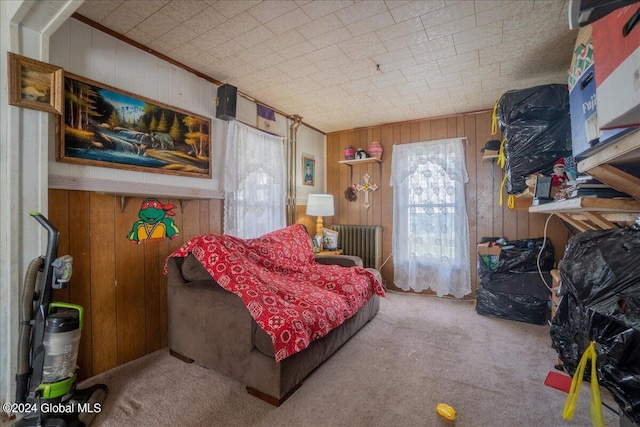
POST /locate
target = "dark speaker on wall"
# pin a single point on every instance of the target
(226, 102)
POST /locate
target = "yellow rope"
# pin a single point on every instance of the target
(511, 201)
(501, 187)
(597, 419)
(494, 119)
(502, 160)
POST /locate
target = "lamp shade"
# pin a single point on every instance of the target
(320, 205)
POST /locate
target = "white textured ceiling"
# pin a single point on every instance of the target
(319, 59)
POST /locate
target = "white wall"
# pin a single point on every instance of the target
(92, 54)
(311, 144)
(89, 53)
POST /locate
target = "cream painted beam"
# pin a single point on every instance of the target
(625, 149)
(578, 225)
(599, 220)
(617, 179)
(124, 188)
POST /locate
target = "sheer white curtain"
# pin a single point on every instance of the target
(430, 224)
(255, 177)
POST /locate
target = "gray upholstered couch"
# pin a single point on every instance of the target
(213, 327)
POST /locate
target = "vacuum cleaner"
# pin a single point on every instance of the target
(48, 343)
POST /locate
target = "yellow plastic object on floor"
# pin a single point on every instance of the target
(597, 419)
(446, 411)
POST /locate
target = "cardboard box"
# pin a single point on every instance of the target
(488, 259)
(485, 249)
(582, 100)
(617, 56)
(586, 136)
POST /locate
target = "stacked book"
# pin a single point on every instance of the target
(587, 186)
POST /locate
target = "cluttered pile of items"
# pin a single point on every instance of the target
(586, 186)
(514, 277)
(537, 152)
(561, 187)
(547, 129)
(536, 128)
(600, 304)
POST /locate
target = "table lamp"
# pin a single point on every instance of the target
(320, 205)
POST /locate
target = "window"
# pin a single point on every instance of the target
(430, 224)
(254, 182)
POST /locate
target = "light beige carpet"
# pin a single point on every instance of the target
(417, 352)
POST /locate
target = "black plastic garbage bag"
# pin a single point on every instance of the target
(534, 149)
(521, 297)
(618, 362)
(538, 139)
(570, 333)
(617, 345)
(602, 269)
(545, 103)
(518, 256)
(536, 126)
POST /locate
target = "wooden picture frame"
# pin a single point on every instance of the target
(34, 84)
(308, 171)
(109, 127)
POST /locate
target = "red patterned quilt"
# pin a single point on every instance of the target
(294, 299)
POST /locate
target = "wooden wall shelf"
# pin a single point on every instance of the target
(592, 213)
(490, 155)
(588, 204)
(361, 161)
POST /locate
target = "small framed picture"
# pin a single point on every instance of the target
(34, 84)
(330, 240)
(308, 171)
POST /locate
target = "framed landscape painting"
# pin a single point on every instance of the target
(104, 126)
(34, 84)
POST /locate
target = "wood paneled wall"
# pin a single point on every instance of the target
(486, 217)
(120, 284)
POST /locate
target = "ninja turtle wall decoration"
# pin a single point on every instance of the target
(154, 222)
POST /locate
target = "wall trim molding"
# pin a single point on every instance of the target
(448, 116)
(130, 189)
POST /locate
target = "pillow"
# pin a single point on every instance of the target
(193, 270)
(288, 247)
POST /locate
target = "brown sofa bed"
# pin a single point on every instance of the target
(213, 327)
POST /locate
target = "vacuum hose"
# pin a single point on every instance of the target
(24, 338)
